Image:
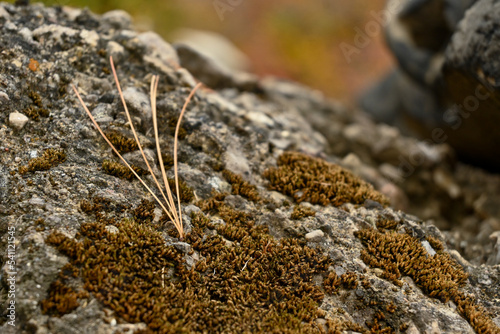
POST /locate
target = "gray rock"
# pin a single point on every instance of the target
(472, 73)
(219, 135)
(138, 101)
(118, 19)
(212, 73)
(157, 48)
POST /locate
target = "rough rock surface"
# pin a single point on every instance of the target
(472, 73)
(446, 85)
(61, 207)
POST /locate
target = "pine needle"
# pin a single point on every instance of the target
(174, 214)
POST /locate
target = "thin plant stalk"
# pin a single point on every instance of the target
(175, 217)
(169, 202)
(176, 137)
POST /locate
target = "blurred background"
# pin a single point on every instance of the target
(294, 39)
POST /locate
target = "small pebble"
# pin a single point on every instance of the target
(315, 235)
(17, 120)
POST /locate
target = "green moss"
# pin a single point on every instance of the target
(316, 181)
(50, 158)
(439, 276)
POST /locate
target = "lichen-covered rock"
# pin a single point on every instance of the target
(94, 254)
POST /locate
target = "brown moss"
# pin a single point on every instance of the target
(50, 158)
(144, 212)
(256, 284)
(120, 142)
(435, 243)
(331, 283)
(121, 171)
(387, 224)
(102, 208)
(438, 276)
(316, 181)
(301, 212)
(187, 194)
(349, 280)
(36, 98)
(168, 160)
(40, 224)
(172, 124)
(34, 112)
(377, 327)
(241, 187)
(61, 300)
(213, 203)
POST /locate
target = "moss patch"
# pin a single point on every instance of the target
(301, 212)
(35, 110)
(241, 187)
(62, 299)
(438, 276)
(50, 158)
(252, 284)
(316, 181)
(120, 142)
(121, 171)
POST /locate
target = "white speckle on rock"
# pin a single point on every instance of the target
(112, 229)
(71, 13)
(102, 113)
(17, 63)
(17, 120)
(90, 37)
(115, 50)
(218, 184)
(36, 201)
(259, 118)
(10, 26)
(54, 32)
(26, 34)
(236, 162)
(316, 235)
(428, 248)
